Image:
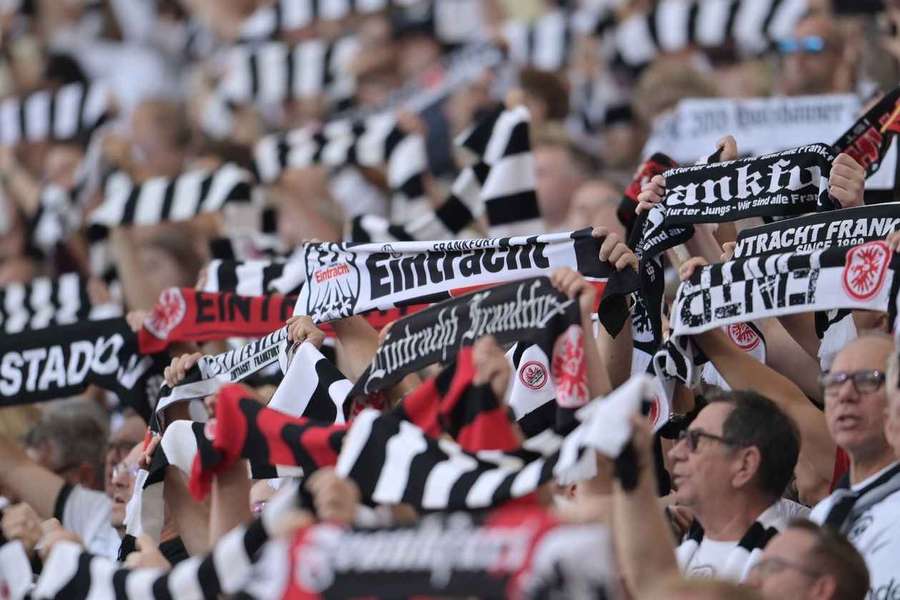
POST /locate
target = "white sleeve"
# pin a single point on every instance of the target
(87, 513)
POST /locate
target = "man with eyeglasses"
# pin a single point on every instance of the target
(810, 562)
(865, 505)
(730, 468)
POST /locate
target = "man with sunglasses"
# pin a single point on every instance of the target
(812, 60)
(730, 468)
(865, 505)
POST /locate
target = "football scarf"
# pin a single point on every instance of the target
(845, 505)
(672, 25)
(376, 142)
(543, 43)
(254, 277)
(499, 185)
(272, 72)
(48, 301)
(346, 279)
(186, 315)
(57, 217)
(859, 277)
(62, 361)
(269, 21)
(72, 110)
(162, 199)
(657, 164)
(69, 572)
(213, 371)
(869, 138)
(510, 552)
(531, 310)
(843, 227)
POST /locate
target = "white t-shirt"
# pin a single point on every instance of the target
(709, 559)
(876, 534)
(87, 513)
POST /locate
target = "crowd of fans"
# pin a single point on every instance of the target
(776, 478)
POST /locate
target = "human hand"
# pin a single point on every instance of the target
(335, 498)
(614, 250)
(177, 369)
(847, 181)
(302, 329)
(21, 522)
(491, 365)
(687, 267)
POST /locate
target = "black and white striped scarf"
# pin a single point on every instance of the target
(48, 301)
(178, 198)
(859, 277)
(376, 142)
(500, 185)
(273, 72)
(269, 21)
(744, 554)
(72, 110)
(69, 572)
(675, 25)
(255, 277)
(544, 43)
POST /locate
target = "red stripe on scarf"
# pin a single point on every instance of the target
(187, 315)
(289, 441)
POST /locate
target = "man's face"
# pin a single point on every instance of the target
(810, 66)
(595, 204)
(856, 417)
(783, 570)
(705, 472)
(123, 485)
(555, 182)
(120, 443)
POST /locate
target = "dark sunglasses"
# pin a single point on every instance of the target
(810, 44)
(692, 438)
(864, 382)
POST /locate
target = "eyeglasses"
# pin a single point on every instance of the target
(123, 469)
(775, 565)
(864, 382)
(810, 44)
(692, 437)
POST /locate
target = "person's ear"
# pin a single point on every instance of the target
(823, 587)
(747, 461)
(86, 475)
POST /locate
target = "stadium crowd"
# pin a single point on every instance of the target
(449, 298)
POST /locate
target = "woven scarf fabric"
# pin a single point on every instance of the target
(187, 315)
(346, 279)
(72, 110)
(376, 142)
(63, 360)
(529, 310)
(45, 302)
(275, 71)
(178, 198)
(745, 553)
(858, 277)
(844, 227)
(869, 138)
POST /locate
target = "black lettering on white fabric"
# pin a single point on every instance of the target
(346, 279)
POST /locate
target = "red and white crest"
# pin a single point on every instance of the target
(569, 370)
(743, 336)
(167, 314)
(533, 375)
(865, 269)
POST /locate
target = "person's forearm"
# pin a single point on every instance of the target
(23, 188)
(230, 501)
(358, 342)
(643, 540)
(616, 354)
(802, 328)
(137, 294)
(785, 355)
(189, 517)
(597, 376)
(27, 480)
